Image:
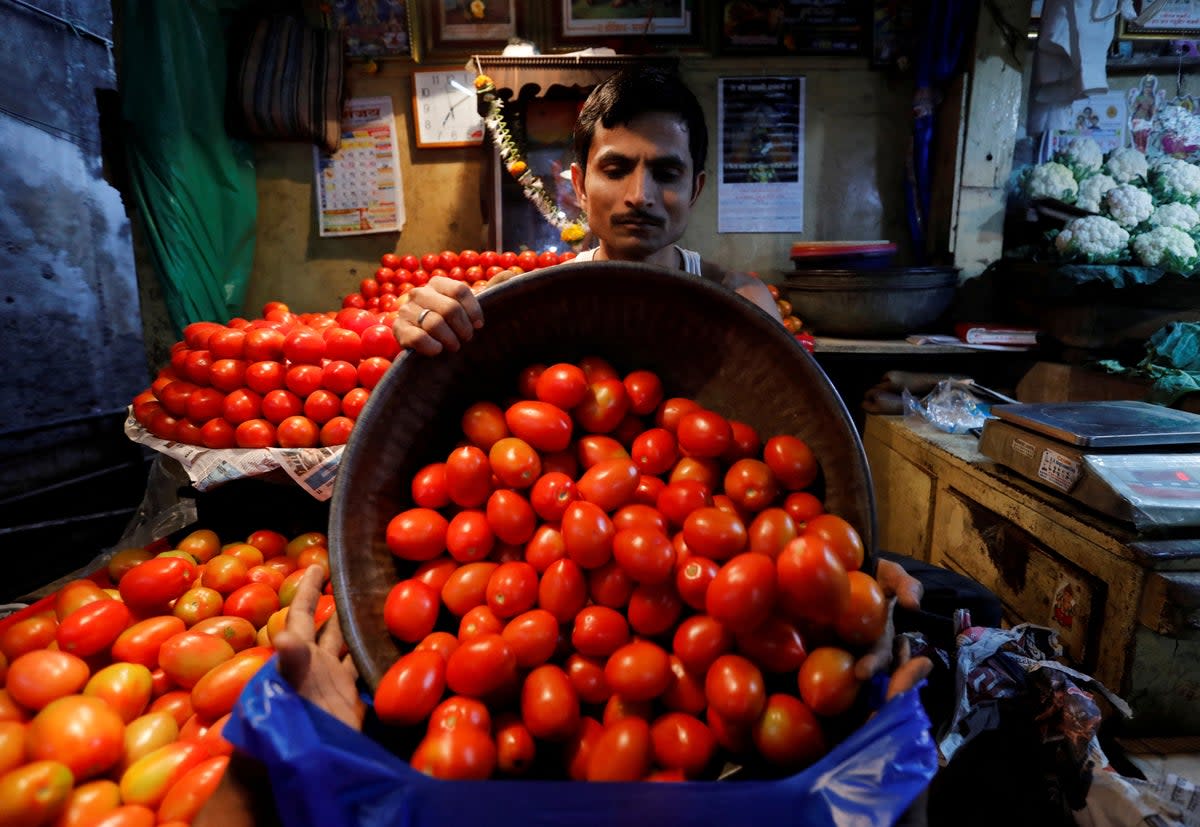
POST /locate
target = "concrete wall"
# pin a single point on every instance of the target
(856, 133)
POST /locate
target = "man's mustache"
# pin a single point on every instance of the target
(637, 217)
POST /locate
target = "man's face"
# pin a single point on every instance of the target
(639, 188)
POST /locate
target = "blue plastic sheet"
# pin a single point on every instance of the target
(325, 773)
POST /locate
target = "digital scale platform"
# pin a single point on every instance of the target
(1134, 461)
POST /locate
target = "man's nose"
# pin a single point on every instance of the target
(641, 190)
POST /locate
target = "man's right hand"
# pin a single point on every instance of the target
(442, 314)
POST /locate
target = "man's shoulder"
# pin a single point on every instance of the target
(722, 275)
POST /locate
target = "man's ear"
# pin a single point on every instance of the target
(697, 186)
(577, 183)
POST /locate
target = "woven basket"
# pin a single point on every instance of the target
(703, 341)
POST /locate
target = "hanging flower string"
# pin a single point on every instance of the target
(572, 231)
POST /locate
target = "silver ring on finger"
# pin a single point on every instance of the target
(421, 316)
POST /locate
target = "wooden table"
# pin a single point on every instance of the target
(1126, 609)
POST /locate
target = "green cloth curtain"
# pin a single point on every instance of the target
(193, 184)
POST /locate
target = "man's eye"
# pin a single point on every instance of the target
(614, 172)
(667, 175)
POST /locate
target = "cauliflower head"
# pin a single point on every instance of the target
(1174, 180)
(1092, 190)
(1128, 205)
(1082, 156)
(1126, 164)
(1181, 216)
(1167, 247)
(1093, 238)
(1051, 180)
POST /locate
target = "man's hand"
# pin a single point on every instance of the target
(898, 587)
(898, 583)
(312, 663)
(442, 314)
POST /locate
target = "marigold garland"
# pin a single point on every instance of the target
(572, 231)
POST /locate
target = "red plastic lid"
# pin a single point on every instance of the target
(802, 249)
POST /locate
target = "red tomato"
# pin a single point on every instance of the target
(551, 494)
(702, 470)
(371, 371)
(443, 643)
(177, 704)
(93, 628)
(742, 594)
(791, 461)
(533, 637)
(544, 426)
(189, 656)
(645, 553)
(429, 485)
(215, 694)
(686, 692)
(751, 485)
(515, 748)
(478, 622)
(745, 442)
(587, 534)
(645, 391)
(264, 377)
(776, 645)
(483, 424)
(205, 404)
(466, 587)
(468, 476)
(469, 537)
(150, 587)
(88, 803)
(638, 515)
(562, 590)
(604, 406)
(255, 602)
(36, 678)
(654, 451)
(511, 517)
(802, 507)
(622, 752)
(147, 781)
(187, 795)
(594, 448)
(654, 610)
(735, 690)
(599, 631)
(236, 631)
(463, 754)
(596, 368)
(703, 434)
(83, 733)
(549, 704)
(587, 676)
(787, 733)
(217, 433)
(456, 712)
(512, 589)
(682, 742)
(515, 462)
(125, 687)
(35, 793)
(336, 431)
(225, 574)
(527, 378)
(255, 433)
(672, 410)
(417, 534)
(578, 748)
(699, 641)
(411, 609)
(826, 681)
(771, 530)
(638, 671)
(812, 581)
(865, 616)
(411, 688)
(693, 575)
(343, 345)
(841, 536)
(609, 484)
(610, 585)
(562, 385)
(303, 379)
(140, 642)
(679, 499)
(481, 666)
(545, 548)
(711, 532)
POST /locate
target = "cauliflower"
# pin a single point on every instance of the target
(1126, 164)
(1051, 180)
(1128, 205)
(1082, 156)
(1180, 216)
(1095, 238)
(1166, 247)
(1174, 180)
(1092, 189)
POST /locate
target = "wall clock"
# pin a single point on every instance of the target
(444, 108)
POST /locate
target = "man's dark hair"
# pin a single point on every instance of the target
(636, 90)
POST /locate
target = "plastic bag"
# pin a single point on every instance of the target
(949, 407)
(325, 773)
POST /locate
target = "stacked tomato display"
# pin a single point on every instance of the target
(629, 583)
(299, 380)
(114, 699)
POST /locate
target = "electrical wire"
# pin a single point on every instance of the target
(78, 30)
(82, 141)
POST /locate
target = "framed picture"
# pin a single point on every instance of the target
(544, 127)
(461, 27)
(592, 19)
(372, 28)
(891, 32)
(793, 27)
(1169, 20)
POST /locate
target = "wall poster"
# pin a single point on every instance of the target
(760, 132)
(358, 187)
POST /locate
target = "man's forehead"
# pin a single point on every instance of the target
(663, 134)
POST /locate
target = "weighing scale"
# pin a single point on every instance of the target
(1134, 461)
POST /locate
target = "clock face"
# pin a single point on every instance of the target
(444, 108)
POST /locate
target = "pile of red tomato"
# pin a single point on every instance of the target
(397, 274)
(293, 380)
(113, 699)
(632, 584)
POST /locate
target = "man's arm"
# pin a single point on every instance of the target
(745, 285)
